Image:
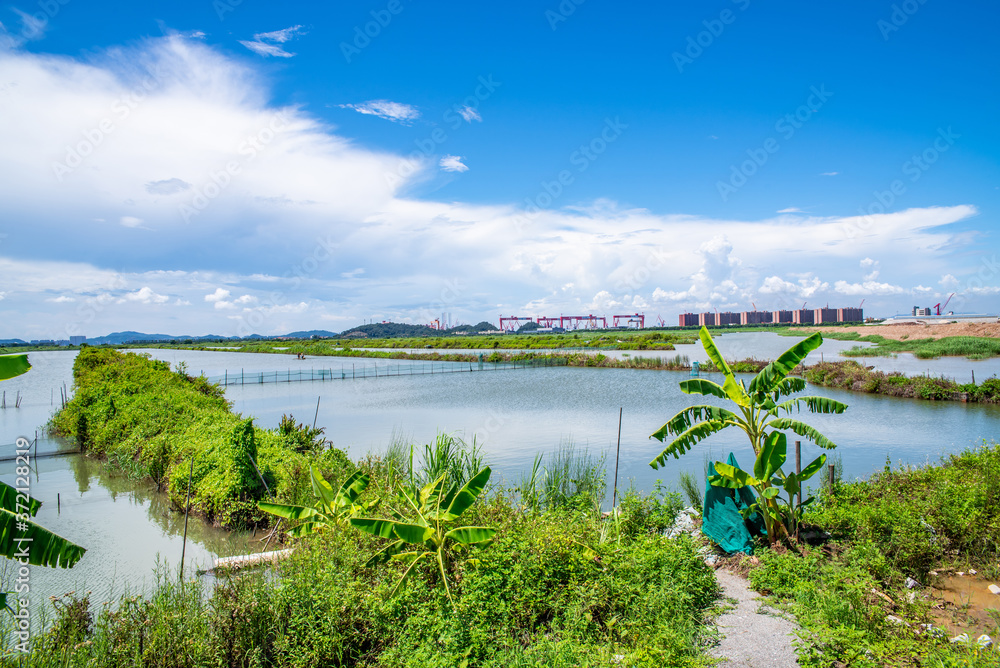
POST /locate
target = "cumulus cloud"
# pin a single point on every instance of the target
(219, 295)
(867, 288)
(130, 221)
(61, 299)
(453, 163)
(144, 295)
(396, 112)
(344, 207)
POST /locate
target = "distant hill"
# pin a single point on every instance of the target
(389, 330)
(12, 342)
(118, 338)
(318, 333)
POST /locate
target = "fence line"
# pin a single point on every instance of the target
(353, 372)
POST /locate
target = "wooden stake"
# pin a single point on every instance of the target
(316, 417)
(798, 472)
(187, 508)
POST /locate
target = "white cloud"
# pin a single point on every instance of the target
(453, 163)
(130, 221)
(470, 114)
(354, 273)
(829, 173)
(265, 43)
(948, 282)
(387, 109)
(167, 187)
(346, 208)
(144, 295)
(790, 209)
(868, 288)
(219, 295)
(61, 299)
(872, 266)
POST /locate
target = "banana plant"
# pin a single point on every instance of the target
(22, 539)
(432, 534)
(761, 411)
(331, 508)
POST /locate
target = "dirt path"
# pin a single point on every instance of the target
(753, 637)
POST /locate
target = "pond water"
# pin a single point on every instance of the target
(513, 414)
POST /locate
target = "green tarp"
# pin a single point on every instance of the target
(721, 519)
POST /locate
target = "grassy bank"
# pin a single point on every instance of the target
(850, 594)
(851, 375)
(149, 421)
(557, 587)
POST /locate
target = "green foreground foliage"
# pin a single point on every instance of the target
(553, 589)
(902, 523)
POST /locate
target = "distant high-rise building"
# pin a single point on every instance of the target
(850, 315)
(708, 320)
(802, 316)
(76, 340)
(781, 316)
(755, 317)
(824, 315)
(688, 320)
(921, 311)
(728, 318)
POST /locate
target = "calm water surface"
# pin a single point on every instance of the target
(514, 414)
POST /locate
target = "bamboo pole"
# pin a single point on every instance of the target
(187, 510)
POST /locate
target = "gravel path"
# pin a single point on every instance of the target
(752, 638)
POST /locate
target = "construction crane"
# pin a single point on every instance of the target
(939, 307)
(803, 305)
(862, 303)
(754, 307)
(659, 321)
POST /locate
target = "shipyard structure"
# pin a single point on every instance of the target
(818, 316)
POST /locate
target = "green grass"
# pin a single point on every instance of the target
(973, 347)
(900, 523)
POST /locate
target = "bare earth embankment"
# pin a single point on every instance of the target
(900, 331)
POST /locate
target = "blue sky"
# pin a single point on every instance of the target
(233, 167)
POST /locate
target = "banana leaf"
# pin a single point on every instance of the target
(8, 501)
(687, 440)
(13, 365)
(43, 547)
(768, 377)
